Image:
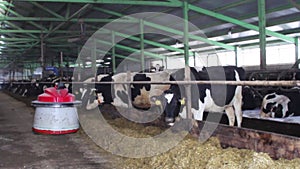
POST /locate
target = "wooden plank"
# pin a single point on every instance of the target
(276, 145)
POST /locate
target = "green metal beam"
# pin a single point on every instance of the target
(16, 45)
(6, 39)
(19, 31)
(39, 31)
(18, 28)
(47, 10)
(195, 37)
(127, 2)
(151, 43)
(126, 48)
(234, 4)
(110, 12)
(177, 32)
(17, 42)
(49, 19)
(61, 45)
(119, 56)
(72, 16)
(238, 22)
(18, 15)
(5, 3)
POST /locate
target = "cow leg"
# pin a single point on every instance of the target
(237, 104)
(238, 114)
(198, 114)
(230, 114)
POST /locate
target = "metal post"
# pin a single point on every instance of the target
(61, 65)
(42, 53)
(142, 45)
(236, 55)
(113, 52)
(262, 33)
(14, 72)
(296, 48)
(166, 63)
(186, 58)
(79, 65)
(129, 89)
(94, 67)
(194, 57)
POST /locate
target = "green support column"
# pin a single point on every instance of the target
(186, 33)
(296, 48)
(186, 59)
(262, 33)
(142, 45)
(113, 52)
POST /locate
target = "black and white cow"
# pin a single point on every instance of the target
(281, 104)
(251, 99)
(87, 92)
(118, 94)
(205, 97)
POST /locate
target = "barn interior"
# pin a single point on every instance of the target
(67, 41)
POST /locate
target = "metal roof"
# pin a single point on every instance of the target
(65, 25)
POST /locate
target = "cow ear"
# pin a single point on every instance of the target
(182, 101)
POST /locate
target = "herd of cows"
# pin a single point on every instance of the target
(171, 99)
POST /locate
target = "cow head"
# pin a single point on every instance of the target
(171, 103)
(275, 106)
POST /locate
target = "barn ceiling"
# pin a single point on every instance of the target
(33, 28)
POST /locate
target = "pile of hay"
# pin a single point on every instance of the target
(190, 153)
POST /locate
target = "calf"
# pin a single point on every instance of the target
(205, 97)
(280, 104)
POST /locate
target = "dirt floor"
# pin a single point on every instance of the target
(21, 148)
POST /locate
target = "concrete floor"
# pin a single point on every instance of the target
(21, 148)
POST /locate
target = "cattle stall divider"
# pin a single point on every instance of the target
(293, 83)
(288, 83)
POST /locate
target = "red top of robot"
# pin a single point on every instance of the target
(53, 94)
